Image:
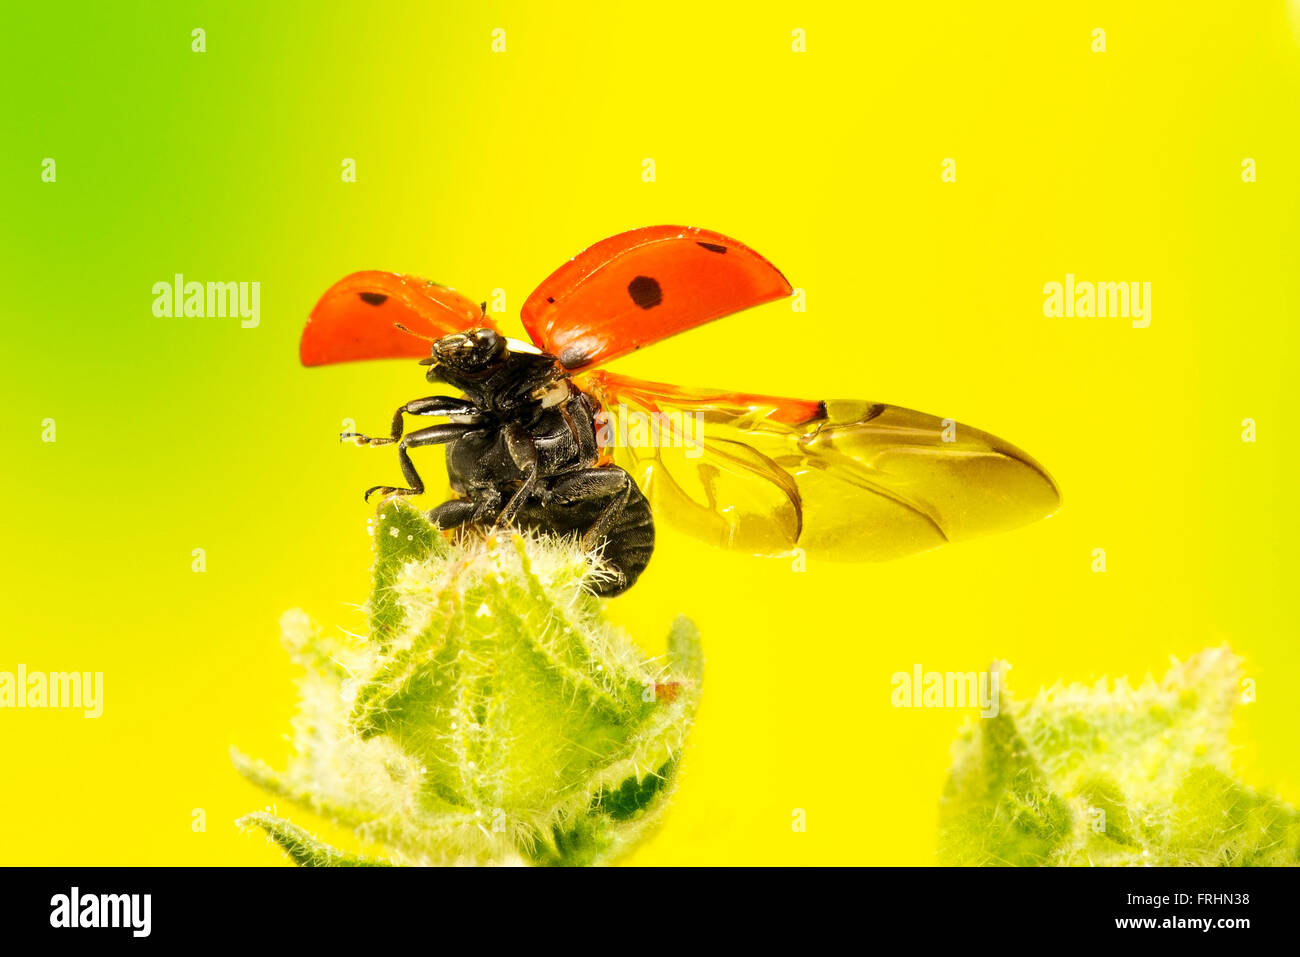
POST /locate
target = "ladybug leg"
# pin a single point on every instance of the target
(623, 532)
(523, 451)
(619, 483)
(433, 435)
(356, 438)
(610, 484)
(453, 514)
(431, 405)
(605, 506)
(489, 505)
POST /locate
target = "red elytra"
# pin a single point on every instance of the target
(623, 293)
(358, 318)
(642, 286)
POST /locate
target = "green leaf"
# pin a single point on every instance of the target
(685, 654)
(301, 846)
(402, 534)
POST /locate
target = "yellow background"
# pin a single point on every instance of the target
(486, 170)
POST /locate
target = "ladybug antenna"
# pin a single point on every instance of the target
(412, 332)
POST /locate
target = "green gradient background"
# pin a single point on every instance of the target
(487, 170)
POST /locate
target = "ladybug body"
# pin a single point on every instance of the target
(522, 449)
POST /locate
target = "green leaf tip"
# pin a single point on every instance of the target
(491, 716)
(401, 534)
(1113, 775)
(302, 848)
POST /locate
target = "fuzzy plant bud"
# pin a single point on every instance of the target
(491, 716)
(1113, 775)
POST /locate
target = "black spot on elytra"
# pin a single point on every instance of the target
(373, 298)
(550, 299)
(645, 292)
(714, 248)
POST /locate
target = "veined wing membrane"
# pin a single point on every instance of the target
(847, 480)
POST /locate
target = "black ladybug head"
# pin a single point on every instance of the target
(465, 355)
